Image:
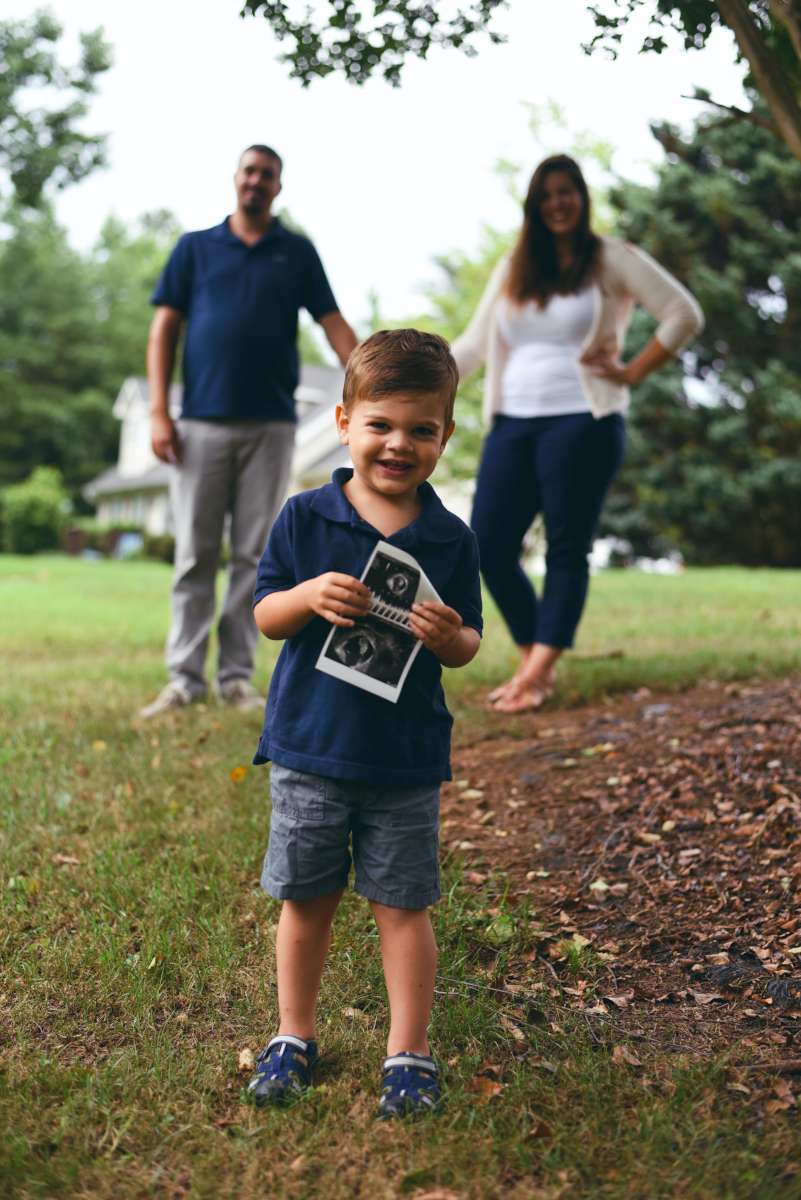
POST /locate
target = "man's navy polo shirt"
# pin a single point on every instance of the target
(323, 725)
(241, 304)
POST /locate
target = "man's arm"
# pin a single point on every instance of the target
(165, 330)
(339, 335)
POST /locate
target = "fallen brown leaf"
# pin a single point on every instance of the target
(65, 860)
(247, 1059)
(486, 1089)
(439, 1194)
(540, 1129)
(623, 1055)
(621, 1000)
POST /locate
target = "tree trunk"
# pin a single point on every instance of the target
(767, 72)
(789, 13)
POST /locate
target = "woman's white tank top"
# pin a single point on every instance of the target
(541, 377)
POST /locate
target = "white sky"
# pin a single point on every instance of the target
(382, 179)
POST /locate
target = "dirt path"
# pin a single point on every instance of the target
(657, 840)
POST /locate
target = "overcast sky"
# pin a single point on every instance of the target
(382, 179)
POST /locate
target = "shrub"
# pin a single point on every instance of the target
(34, 512)
(86, 533)
(160, 546)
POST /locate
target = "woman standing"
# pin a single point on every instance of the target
(550, 327)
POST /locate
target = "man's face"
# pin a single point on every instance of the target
(257, 182)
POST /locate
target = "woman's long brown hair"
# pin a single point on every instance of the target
(534, 271)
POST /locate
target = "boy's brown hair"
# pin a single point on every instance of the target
(401, 360)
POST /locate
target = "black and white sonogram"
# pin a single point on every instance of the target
(394, 586)
(377, 651)
(373, 647)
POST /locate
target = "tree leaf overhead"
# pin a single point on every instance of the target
(360, 39)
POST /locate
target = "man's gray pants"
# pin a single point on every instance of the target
(241, 468)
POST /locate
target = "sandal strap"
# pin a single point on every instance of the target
(289, 1038)
(419, 1061)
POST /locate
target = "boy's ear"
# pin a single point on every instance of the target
(342, 421)
(447, 435)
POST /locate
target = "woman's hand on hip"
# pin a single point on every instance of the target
(611, 368)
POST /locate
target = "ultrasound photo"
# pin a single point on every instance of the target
(376, 653)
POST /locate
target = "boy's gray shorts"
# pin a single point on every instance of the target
(393, 832)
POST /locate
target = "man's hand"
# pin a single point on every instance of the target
(436, 625)
(164, 438)
(337, 598)
(339, 335)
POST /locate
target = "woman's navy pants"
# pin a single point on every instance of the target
(558, 466)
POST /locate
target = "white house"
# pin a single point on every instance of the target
(136, 490)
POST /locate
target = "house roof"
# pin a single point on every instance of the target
(112, 482)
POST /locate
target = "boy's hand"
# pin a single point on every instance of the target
(436, 625)
(338, 598)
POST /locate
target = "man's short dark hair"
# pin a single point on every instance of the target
(262, 149)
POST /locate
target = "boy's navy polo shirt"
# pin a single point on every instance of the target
(323, 725)
(241, 305)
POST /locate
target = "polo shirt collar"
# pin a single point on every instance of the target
(222, 233)
(435, 523)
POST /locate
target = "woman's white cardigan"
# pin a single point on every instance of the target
(626, 275)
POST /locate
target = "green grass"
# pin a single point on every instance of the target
(131, 979)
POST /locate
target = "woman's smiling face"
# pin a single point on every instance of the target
(561, 206)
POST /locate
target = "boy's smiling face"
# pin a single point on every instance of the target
(395, 441)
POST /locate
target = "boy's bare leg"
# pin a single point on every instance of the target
(409, 954)
(301, 945)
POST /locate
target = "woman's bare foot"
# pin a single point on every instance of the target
(523, 697)
(498, 692)
(517, 685)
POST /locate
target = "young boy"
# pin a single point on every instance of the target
(349, 766)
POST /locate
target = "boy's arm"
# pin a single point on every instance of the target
(441, 631)
(335, 597)
(463, 649)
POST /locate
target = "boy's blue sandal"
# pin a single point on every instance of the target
(411, 1085)
(283, 1070)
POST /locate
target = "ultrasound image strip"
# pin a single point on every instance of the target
(390, 612)
(376, 652)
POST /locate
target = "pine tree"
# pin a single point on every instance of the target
(714, 460)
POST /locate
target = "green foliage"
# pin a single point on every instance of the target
(358, 39)
(160, 546)
(43, 143)
(767, 34)
(72, 327)
(693, 21)
(33, 513)
(716, 468)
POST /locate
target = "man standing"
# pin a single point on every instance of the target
(239, 287)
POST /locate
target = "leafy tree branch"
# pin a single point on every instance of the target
(43, 143)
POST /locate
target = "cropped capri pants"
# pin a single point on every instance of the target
(561, 467)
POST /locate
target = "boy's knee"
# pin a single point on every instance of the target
(390, 916)
(313, 910)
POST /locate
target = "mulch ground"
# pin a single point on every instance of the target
(656, 839)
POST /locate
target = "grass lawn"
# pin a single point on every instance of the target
(136, 956)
